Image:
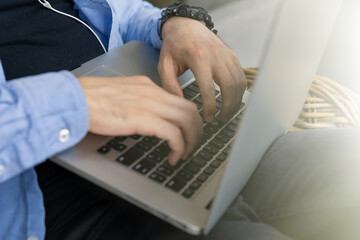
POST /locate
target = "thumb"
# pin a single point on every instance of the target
(168, 72)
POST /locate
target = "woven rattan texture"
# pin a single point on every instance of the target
(327, 105)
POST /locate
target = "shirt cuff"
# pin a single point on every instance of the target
(56, 108)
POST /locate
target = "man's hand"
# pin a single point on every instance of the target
(187, 43)
(135, 105)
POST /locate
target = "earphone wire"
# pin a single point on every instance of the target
(47, 5)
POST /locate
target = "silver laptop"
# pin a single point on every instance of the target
(195, 193)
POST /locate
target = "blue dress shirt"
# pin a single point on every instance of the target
(39, 118)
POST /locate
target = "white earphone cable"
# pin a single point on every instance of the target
(48, 6)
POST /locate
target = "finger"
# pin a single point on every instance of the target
(207, 90)
(162, 129)
(186, 118)
(168, 73)
(94, 81)
(236, 73)
(228, 92)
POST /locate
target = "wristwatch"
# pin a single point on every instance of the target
(184, 10)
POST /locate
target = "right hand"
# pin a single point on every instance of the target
(120, 106)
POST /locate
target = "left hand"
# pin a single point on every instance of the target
(187, 43)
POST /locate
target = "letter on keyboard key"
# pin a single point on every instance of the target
(176, 184)
(191, 167)
(209, 170)
(157, 177)
(104, 150)
(185, 175)
(211, 150)
(202, 177)
(144, 166)
(129, 157)
(198, 161)
(188, 193)
(165, 170)
(151, 140)
(195, 185)
(143, 146)
(204, 155)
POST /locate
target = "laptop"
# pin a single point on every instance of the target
(195, 193)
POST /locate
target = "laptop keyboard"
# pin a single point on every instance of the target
(148, 155)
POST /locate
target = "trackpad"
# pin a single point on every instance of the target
(103, 71)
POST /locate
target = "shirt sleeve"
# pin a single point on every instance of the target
(39, 116)
(118, 22)
(140, 21)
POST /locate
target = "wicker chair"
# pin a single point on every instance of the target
(328, 105)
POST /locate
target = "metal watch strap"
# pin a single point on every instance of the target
(184, 10)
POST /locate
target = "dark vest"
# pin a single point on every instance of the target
(35, 40)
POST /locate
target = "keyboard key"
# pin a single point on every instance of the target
(163, 149)
(176, 184)
(209, 170)
(192, 167)
(157, 177)
(215, 164)
(119, 147)
(222, 138)
(222, 157)
(188, 193)
(155, 157)
(227, 150)
(211, 150)
(199, 99)
(120, 138)
(204, 155)
(165, 170)
(210, 129)
(143, 146)
(235, 121)
(216, 124)
(136, 137)
(185, 175)
(203, 141)
(194, 87)
(129, 157)
(151, 140)
(195, 185)
(228, 133)
(231, 127)
(217, 144)
(202, 177)
(218, 105)
(144, 166)
(175, 167)
(190, 92)
(198, 161)
(187, 96)
(111, 143)
(207, 135)
(104, 150)
(198, 104)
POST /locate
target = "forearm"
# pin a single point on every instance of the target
(33, 112)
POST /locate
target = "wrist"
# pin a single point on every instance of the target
(188, 12)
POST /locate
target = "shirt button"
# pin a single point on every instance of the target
(2, 168)
(64, 135)
(32, 238)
